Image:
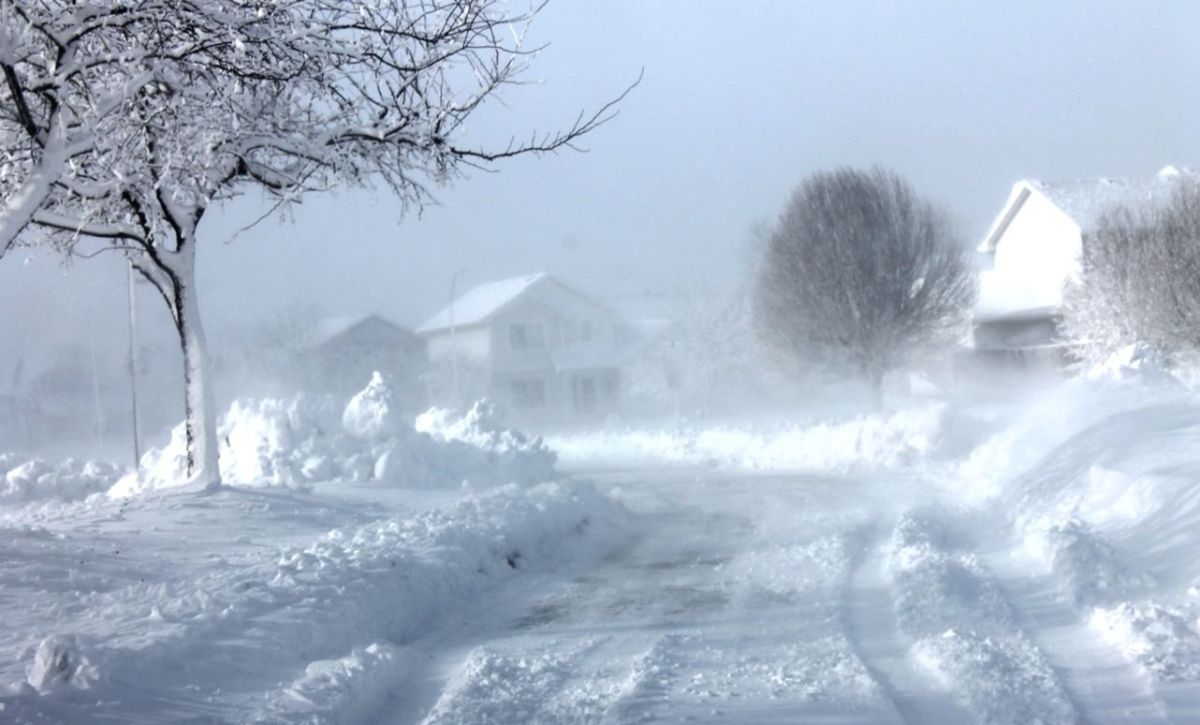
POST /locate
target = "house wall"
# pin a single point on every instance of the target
(473, 344)
(565, 369)
(588, 386)
(1036, 255)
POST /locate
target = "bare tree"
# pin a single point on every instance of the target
(858, 274)
(701, 359)
(286, 96)
(1140, 279)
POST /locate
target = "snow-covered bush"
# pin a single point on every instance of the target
(1132, 363)
(1140, 268)
(23, 480)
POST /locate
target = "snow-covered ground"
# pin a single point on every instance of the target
(948, 562)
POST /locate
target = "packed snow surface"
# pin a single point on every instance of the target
(1014, 562)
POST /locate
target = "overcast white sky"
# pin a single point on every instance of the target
(740, 101)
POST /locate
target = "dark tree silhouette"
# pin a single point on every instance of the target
(858, 274)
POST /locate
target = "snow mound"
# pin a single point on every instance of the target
(1137, 363)
(345, 690)
(299, 442)
(373, 413)
(493, 687)
(868, 441)
(511, 452)
(23, 481)
(384, 581)
(59, 663)
(1164, 640)
(286, 442)
(1113, 511)
(1062, 416)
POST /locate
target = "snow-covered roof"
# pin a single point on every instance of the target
(479, 303)
(1085, 200)
(332, 327)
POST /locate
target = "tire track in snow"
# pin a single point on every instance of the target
(1103, 685)
(885, 651)
(966, 632)
(708, 614)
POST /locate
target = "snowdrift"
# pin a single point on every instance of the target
(301, 441)
(1101, 481)
(867, 441)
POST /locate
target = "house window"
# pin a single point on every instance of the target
(571, 332)
(526, 337)
(583, 394)
(585, 333)
(529, 393)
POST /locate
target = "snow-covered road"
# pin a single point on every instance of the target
(1040, 571)
(756, 599)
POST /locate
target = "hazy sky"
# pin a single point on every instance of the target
(739, 102)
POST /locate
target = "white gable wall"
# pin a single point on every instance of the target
(554, 312)
(473, 344)
(1035, 255)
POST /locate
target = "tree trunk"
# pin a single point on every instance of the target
(875, 377)
(200, 420)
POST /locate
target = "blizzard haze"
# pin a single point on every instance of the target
(725, 415)
(739, 102)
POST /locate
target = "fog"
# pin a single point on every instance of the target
(848, 372)
(738, 103)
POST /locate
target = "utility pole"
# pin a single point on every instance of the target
(454, 340)
(137, 452)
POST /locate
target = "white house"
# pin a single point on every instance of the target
(1033, 249)
(539, 349)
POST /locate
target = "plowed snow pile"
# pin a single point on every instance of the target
(304, 440)
(27, 480)
(867, 441)
(134, 632)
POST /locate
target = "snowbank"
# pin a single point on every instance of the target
(868, 441)
(373, 413)
(23, 481)
(313, 614)
(298, 442)
(1099, 483)
(512, 454)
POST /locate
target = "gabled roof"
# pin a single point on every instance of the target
(478, 304)
(331, 328)
(1084, 200)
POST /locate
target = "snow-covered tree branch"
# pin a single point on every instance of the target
(1140, 281)
(129, 119)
